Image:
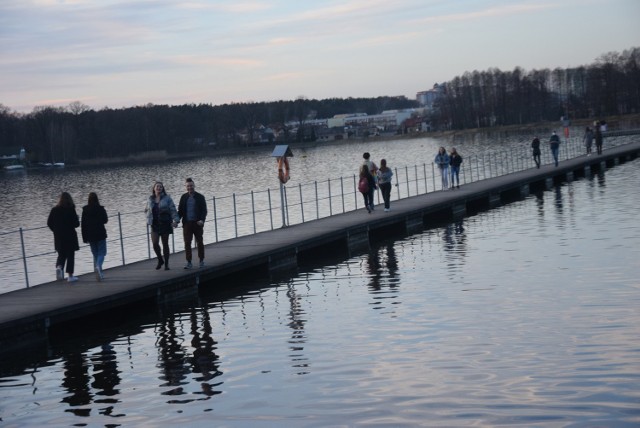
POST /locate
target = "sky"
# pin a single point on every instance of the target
(123, 53)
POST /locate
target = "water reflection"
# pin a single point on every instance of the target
(454, 241)
(76, 383)
(204, 362)
(297, 323)
(172, 359)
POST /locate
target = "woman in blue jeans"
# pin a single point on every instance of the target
(94, 217)
(384, 181)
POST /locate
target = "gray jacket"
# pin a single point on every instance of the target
(165, 206)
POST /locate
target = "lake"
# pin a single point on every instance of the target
(524, 315)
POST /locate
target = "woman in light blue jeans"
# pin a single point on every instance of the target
(94, 217)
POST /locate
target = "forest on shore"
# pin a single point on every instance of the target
(610, 86)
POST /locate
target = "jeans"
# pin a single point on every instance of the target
(554, 153)
(385, 189)
(455, 175)
(444, 175)
(99, 250)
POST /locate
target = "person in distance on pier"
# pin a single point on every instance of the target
(442, 161)
(535, 148)
(384, 181)
(455, 160)
(554, 144)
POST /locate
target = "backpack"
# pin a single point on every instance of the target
(363, 185)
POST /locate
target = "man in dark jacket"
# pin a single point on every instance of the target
(192, 209)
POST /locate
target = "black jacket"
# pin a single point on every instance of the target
(201, 207)
(63, 223)
(94, 217)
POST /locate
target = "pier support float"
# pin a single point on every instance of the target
(181, 290)
(616, 161)
(358, 239)
(284, 260)
(459, 210)
(603, 166)
(525, 190)
(548, 183)
(414, 223)
(570, 176)
(494, 200)
(587, 171)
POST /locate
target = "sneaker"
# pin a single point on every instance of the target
(99, 274)
(387, 210)
(188, 265)
(59, 273)
(72, 278)
(201, 263)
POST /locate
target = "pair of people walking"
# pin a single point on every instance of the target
(372, 177)
(163, 217)
(63, 222)
(449, 166)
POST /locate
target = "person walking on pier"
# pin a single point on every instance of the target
(554, 143)
(587, 139)
(63, 221)
(366, 186)
(455, 160)
(598, 138)
(192, 209)
(535, 147)
(162, 216)
(94, 217)
(442, 161)
(384, 181)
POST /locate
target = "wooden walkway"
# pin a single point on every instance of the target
(28, 314)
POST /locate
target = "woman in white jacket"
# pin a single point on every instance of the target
(162, 217)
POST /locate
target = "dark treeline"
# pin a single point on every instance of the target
(54, 134)
(609, 86)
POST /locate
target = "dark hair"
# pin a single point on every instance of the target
(66, 201)
(93, 199)
(366, 155)
(188, 180)
(364, 170)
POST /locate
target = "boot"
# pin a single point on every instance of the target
(166, 262)
(160, 263)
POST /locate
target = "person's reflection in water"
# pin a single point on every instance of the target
(172, 358)
(381, 267)
(455, 243)
(298, 334)
(106, 377)
(204, 360)
(76, 383)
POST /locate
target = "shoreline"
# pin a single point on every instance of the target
(163, 155)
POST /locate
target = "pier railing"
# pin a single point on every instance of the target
(25, 263)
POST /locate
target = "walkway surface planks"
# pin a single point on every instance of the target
(27, 314)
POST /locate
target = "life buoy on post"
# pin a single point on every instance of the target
(283, 169)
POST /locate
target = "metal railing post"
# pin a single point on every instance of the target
(215, 219)
(235, 214)
(301, 202)
(253, 211)
(24, 259)
(121, 238)
(317, 201)
(270, 211)
(330, 207)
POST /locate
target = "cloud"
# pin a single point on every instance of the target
(512, 9)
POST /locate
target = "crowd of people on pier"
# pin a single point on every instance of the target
(163, 216)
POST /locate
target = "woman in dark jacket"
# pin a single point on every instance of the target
(63, 222)
(371, 182)
(94, 217)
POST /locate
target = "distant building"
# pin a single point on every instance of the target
(427, 98)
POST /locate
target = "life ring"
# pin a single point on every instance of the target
(283, 169)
